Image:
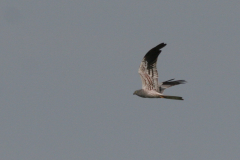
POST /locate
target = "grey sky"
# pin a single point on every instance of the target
(69, 69)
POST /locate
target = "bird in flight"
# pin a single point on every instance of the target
(149, 76)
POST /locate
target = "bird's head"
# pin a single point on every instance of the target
(135, 92)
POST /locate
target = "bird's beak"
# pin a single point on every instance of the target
(134, 93)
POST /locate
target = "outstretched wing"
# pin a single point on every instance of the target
(169, 83)
(148, 68)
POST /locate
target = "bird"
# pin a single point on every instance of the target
(149, 76)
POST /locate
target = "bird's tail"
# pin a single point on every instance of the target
(171, 97)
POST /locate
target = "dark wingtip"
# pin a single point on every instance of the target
(182, 81)
(152, 55)
(161, 45)
(172, 82)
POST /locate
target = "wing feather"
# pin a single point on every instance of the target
(148, 68)
(169, 83)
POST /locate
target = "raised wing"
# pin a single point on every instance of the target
(148, 68)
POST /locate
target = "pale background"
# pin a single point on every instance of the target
(68, 70)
